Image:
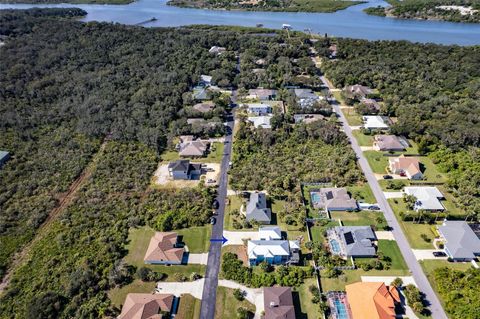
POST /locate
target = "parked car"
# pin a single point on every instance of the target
(373, 207)
(387, 177)
(210, 181)
(213, 220)
(439, 254)
(215, 204)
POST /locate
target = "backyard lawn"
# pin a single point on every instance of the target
(188, 308)
(196, 238)
(377, 161)
(362, 139)
(362, 218)
(226, 304)
(362, 193)
(413, 231)
(318, 230)
(430, 171)
(305, 308)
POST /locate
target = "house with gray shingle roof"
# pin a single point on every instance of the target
(333, 199)
(278, 303)
(352, 241)
(257, 208)
(183, 169)
(461, 243)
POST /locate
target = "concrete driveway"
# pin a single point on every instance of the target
(254, 295)
(382, 234)
(367, 148)
(199, 259)
(393, 195)
(422, 254)
(237, 237)
(195, 288)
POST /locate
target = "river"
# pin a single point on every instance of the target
(351, 22)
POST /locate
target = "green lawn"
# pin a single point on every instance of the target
(352, 117)
(318, 230)
(351, 276)
(412, 230)
(117, 295)
(226, 305)
(196, 238)
(170, 156)
(305, 308)
(362, 192)
(384, 184)
(188, 308)
(377, 161)
(362, 218)
(430, 171)
(390, 248)
(362, 139)
(234, 203)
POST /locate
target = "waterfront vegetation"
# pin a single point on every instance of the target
(268, 5)
(447, 10)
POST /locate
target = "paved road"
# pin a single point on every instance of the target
(207, 310)
(415, 269)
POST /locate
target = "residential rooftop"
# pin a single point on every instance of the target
(461, 243)
(278, 303)
(428, 198)
(146, 306)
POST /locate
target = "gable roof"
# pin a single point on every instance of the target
(278, 303)
(262, 94)
(162, 248)
(146, 306)
(179, 166)
(260, 121)
(269, 232)
(462, 242)
(390, 142)
(4, 154)
(372, 300)
(268, 248)
(358, 89)
(427, 197)
(410, 165)
(257, 208)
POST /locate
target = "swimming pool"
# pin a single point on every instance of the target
(335, 246)
(315, 198)
(340, 309)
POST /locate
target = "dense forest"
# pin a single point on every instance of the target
(92, 106)
(284, 157)
(268, 5)
(459, 290)
(447, 10)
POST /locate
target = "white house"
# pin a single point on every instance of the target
(270, 233)
(428, 198)
(259, 109)
(375, 122)
(260, 121)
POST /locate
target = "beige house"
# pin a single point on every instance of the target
(389, 143)
(408, 166)
(146, 306)
(164, 249)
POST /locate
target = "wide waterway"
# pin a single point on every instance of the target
(352, 22)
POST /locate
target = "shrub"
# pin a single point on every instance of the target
(239, 294)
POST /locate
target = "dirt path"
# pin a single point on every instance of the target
(66, 199)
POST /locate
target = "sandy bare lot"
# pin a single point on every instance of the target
(162, 179)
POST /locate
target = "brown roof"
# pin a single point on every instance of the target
(204, 107)
(194, 148)
(278, 303)
(146, 306)
(388, 142)
(162, 248)
(408, 164)
(372, 300)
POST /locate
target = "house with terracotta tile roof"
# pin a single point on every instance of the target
(408, 166)
(164, 249)
(278, 303)
(372, 300)
(146, 306)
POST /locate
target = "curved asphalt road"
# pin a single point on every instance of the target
(415, 268)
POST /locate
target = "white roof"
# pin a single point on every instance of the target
(294, 244)
(268, 248)
(258, 105)
(260, 121)
(270, 233)
(374, 122)
(206, 78)
(427, 197)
